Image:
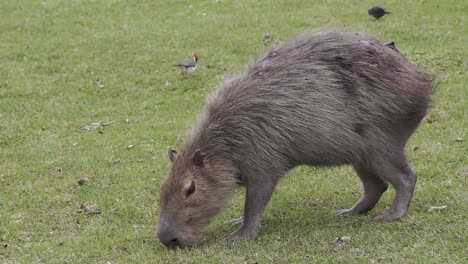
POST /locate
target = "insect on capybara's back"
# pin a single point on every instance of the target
(324, 98)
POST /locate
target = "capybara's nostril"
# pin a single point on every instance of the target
(175, 242)
(170, 243)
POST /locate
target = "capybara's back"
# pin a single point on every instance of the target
(324, 98)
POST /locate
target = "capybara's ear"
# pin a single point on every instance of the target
(172, 154)
(198, 158)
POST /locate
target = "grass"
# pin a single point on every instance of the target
(67, 64)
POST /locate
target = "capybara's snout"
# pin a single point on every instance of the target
(167, 235)
(168, 238)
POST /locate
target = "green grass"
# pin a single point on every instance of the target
(53, 52)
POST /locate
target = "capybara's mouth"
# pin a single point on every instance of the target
(174, 241)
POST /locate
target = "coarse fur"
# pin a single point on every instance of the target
(322, 99)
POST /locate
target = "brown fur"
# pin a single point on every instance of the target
(323, 99)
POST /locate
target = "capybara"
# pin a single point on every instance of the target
(322, 99)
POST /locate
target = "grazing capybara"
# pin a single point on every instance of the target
(322, 99)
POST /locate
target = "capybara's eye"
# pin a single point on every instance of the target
(191, 189)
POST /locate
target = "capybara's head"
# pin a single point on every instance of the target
(194, 191)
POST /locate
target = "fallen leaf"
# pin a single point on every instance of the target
(90, 212)
(92, 126)
(429, 120)
(130, 146)
(88, 209)
(100, 85)
(96, 125)
(266, 38)
(115, 162)
(313, 202)
(82, 181)
(342, 239)
(436, 208)
(56, 171)
(108, 123)
(339, 242)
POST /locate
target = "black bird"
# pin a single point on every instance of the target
(392, 46)
(377, 12)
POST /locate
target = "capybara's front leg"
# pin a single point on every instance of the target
(258, 194)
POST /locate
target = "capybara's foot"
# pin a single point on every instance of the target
(355, 210)
(241, 234)
(387, 217)
(345, 212)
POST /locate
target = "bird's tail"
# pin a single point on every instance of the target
(387, 12)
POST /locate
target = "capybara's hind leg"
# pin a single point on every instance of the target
(399, 173)
(374, 187)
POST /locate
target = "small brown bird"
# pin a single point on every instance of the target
(377, 12)
(188, 65)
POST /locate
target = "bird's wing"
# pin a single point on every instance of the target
(187, 63)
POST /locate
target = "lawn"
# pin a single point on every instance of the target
(72, 195)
